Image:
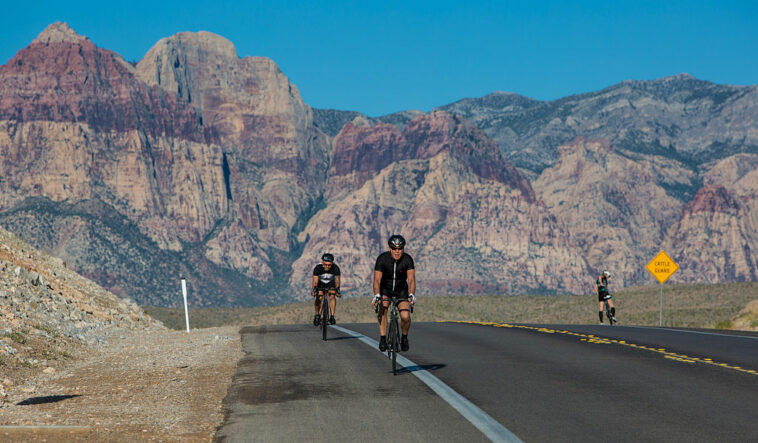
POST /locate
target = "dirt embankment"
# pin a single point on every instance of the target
(144, 386)
(77, 363)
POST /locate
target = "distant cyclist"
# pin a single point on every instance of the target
(394, 276)
(326, 277)
(601, 287)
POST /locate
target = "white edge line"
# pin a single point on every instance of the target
(693, 332)
(480, 419)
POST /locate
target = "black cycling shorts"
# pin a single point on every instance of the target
(603, 296)
(400, 295)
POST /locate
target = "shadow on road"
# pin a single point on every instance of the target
(45, 399)
(415, 368)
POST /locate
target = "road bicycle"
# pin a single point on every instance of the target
(607, 307)
(393, 331)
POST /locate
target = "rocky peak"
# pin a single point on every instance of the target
(233, 94)
(58, 32)
(63, 77)
(712, 198)
(496, 101)
(362, 151)
(202, 41)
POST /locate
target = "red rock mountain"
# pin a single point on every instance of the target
(199, 163)
(184, 188)
(471, 217)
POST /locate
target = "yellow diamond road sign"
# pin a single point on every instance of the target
(662, 267)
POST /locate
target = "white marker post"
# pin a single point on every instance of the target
(186, 312)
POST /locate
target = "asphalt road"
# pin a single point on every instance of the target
(540, 382)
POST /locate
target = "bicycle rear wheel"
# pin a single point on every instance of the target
(608, 313)
(324, 316)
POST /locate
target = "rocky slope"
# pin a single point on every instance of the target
(48, 312)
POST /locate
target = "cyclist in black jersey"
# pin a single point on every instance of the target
(601, 287)
(394, 276)
(326, 277)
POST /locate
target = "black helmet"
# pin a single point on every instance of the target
(396, 242)
(327, 257)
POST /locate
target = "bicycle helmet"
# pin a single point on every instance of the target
(327, 257)
(607, 274)
(396, 242)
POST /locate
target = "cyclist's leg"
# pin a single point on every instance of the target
(317, 302)
(405, 316)
(600, 309)
(382, 317)
(404, 308)
(332, 300)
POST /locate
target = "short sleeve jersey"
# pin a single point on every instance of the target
(394, 273)
(326, 278)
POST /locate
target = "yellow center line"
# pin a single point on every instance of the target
(590, 338)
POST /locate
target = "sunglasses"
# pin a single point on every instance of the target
(397, 249)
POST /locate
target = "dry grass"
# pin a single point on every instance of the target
(685, 305)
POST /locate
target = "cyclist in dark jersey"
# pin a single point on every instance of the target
(326, 277)
(601, 287)
(394, 276)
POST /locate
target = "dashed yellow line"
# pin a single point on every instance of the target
(590, 338)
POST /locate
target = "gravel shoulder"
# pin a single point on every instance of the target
(144, 386)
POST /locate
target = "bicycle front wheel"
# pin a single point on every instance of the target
(395, 346)
(324, 318)
(390, 334)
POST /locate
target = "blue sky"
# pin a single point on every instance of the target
(387, 56)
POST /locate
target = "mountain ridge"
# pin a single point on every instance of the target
(220, 167)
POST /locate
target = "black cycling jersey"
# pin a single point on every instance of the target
(602, 288)
(326, 278)
(394, 273)
(602, 284)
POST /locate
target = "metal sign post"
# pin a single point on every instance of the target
(662, 267)
(186, 312)
(660, 312)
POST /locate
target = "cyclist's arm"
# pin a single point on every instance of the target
(412, 281)
(315, 282)
(377, 281)
(337, 282)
